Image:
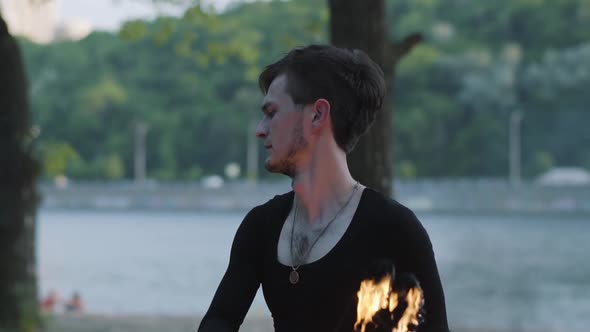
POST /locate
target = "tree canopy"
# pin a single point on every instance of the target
(192, 80)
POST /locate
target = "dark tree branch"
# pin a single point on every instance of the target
(402, 48)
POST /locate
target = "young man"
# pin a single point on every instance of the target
(310, 248)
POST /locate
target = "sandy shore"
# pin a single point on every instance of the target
(140, 323)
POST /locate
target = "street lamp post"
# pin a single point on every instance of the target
(139, 158)
(252, 151)
(514, 157)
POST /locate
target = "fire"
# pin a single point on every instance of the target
(372, 297)
(410, 315)
(377, 304)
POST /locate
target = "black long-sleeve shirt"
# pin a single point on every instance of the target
(324, 299)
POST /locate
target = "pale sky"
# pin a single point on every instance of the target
(109, 14)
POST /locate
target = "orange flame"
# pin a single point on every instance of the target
(372, 297)
(376, 296)
(410, 315)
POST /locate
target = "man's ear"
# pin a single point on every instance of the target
(320, 113)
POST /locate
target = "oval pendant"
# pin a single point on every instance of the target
(294, 277)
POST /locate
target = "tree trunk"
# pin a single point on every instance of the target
(18, 195)
(363, 25)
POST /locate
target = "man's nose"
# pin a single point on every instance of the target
(261, 129)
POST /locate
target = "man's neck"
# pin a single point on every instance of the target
(322, 188)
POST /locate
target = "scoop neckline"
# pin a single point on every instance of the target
(343, 239)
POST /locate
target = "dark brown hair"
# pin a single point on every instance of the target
(347, 78)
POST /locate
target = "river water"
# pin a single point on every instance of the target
(528, 272)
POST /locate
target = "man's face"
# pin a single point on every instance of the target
(281, 129)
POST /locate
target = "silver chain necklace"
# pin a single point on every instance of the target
(294, 275)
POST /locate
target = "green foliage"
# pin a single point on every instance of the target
(193, 81)
(57, 156)
(480, 62)
(133, 30)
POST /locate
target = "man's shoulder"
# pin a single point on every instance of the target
(386, 207)
(259, 219)
(277, 202)
(271, 207)
(390, 213)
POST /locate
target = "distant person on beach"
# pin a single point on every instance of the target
(310, 248)
(74, 304)
(49, 302)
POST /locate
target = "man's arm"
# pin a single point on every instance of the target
(240, 282)
(419, 259)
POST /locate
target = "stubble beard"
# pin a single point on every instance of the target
(286, 165)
